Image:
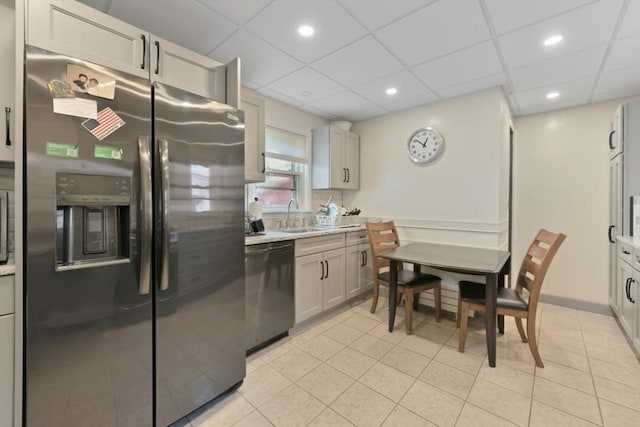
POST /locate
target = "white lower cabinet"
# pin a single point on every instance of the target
(320, 274)
(359, 271)
(6, 370)
(628, 291)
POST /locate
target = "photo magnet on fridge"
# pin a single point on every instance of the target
(86, 80)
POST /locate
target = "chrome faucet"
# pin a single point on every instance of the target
(286, 222)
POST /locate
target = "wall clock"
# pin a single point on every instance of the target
(425, 145)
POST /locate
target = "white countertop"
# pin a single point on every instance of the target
(279, 236)
(631, 240)
(7, 270)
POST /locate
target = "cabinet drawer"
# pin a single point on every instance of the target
(6, 295)
(357, 237)
(625, 252)
(314, 245)
(636, 259)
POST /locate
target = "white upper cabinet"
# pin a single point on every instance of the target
(71, 28)
(179, 67)
(74, 29)
(254, 158)
(336, 159)
(7, 85)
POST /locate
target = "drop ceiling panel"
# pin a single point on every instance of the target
(334, 28)
(618, 84)
(454, 69)
(572, 93)
(368, 114)
(508, 15)
(344, 103)
(280, 97)
(541, 74)
(435, 30)
(404, 103)
(472, 86)
(405, 82)
(588, 26)
(186, 23)
(360, 62)
(306, 85)
(239, 11)
(375, 14)
(631, 22)
(625, 53)
(260, 62)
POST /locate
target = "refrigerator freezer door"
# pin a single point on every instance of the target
(88, 342)
(199, 152)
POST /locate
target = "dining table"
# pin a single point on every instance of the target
(493, 264)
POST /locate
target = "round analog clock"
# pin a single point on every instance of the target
(425, 144)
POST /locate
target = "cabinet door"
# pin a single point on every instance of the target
(366, 271)
(333, 283)
(254, 160)
(626, 308)
(6, 370)
(635, 295)
(73, 29)
(352, 160)
(354, 262)
(179, 67)
(338, 171)
(615, 225)
(7, 71)
(308, 286)
(616, 137)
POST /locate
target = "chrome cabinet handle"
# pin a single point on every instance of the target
(157, 71)
(146, 208)
(626, 287)
(7, 112)
(611, 147)
(163, 147)
(144, 51)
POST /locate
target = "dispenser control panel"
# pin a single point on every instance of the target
(86, 190)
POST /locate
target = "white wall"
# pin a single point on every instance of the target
(561, 182)
(458, 198)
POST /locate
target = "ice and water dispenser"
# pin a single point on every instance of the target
(92, 220)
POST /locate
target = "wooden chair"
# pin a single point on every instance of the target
(383, 237)
(512, 302)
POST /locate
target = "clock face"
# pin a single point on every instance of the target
(425, 145)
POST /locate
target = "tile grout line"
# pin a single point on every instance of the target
(595, 389)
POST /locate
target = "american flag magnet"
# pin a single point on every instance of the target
(106, 123)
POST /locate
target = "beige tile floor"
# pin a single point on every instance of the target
(348, 370)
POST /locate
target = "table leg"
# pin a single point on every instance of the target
(500, 316)
(393, 292)
(491, 296)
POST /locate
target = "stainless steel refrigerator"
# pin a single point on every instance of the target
(134, 248)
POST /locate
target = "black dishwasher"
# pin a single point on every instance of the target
(269, 270)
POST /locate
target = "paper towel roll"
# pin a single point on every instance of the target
(255, 210)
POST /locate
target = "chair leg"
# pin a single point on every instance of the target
(531, 334)
(437, 296)
(408, 309)
(459, 312)
(464, 318)
(521, 329)
(416, 301)
(374, 300)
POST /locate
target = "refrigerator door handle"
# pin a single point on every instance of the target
(147, 215)
(163, 147)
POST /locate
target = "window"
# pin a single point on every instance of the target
(287, 171)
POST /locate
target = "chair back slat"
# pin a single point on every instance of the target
(383, 237)
(536, 262)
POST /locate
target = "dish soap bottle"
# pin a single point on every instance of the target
(255, 210)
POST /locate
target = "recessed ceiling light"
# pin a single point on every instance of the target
(392, 91)
(553, 40)
(552, 95)
(305, 30)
